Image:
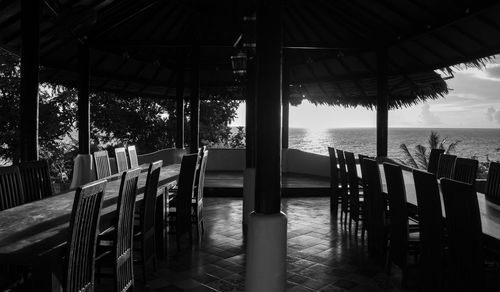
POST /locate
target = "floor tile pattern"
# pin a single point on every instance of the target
(322, 254)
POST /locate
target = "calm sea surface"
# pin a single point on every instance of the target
(479, 142)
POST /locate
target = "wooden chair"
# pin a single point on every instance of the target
(465, 170)
(197, 202)
(121, 159)
(465, 246)
(492, 190)
(434, 160)
(82, 241)
(180, 205)
(361, 157)
(375, 209)
(446, 165)
(36, 180)
(11, 195)
(401, 244)
(335, 197)
(132, 155)
(344, 191)
(431, 223)
(355, 203)
(11, 187)
(101, 163)
(144, 233)
(118, 255)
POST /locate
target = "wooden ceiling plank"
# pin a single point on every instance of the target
(443, 23)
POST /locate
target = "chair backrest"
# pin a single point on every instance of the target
(132, 156)
(463, 225)
(465, 170)
(431, 225)
(375, 208)
(343, 178)
(148, 210)
(334, 169)
(353, 179)
(11, 187)
(185, 185)
(398, 214)
(361, 157)
(492, 190)
(124, 230)
(446, 165)
(434, 160)
(82, 241)
(121, 159)
(36, 180)
(200, 177)
(101, 163)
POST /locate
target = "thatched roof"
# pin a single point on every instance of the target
(329, 46)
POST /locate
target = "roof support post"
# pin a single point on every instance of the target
(194, 101)
(382, 103)
(250, 114)
(83, 99)
(286, 113)
(268, 146)
(179, 112)
(29, 106)
(267, 225)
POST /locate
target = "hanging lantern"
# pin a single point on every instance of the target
(239, 64)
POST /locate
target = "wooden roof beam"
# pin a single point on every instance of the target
(155, 44)
(125, 17)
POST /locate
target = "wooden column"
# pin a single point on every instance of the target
(28, 128)
(286, 113)
(195, 101)
(83, 100)
(382, 103)
(268, 131)
(250, 113)
(179, 138)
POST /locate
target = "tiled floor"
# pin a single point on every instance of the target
(321, 255)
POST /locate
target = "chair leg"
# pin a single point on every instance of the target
(404, 273)
(197, 228)
(143, 251)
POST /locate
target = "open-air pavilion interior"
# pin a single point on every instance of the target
(269, 220)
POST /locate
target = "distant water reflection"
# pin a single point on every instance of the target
(478, 142)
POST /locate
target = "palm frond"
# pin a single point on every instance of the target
(421, 156)
(408, 160)
(434, 140)
(452, 147)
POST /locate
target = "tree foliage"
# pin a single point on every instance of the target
(150, 124)
(420, 157)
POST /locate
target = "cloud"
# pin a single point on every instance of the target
(497, 117)
(489, 113)
(429, 117)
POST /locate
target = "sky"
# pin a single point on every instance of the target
(472, 102)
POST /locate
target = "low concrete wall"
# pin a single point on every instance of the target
(294, 160)
(298, 161)
(226, 159)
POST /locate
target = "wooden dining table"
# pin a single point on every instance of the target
(490, 212)
(30, 233)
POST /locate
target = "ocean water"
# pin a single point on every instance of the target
(472, 142)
